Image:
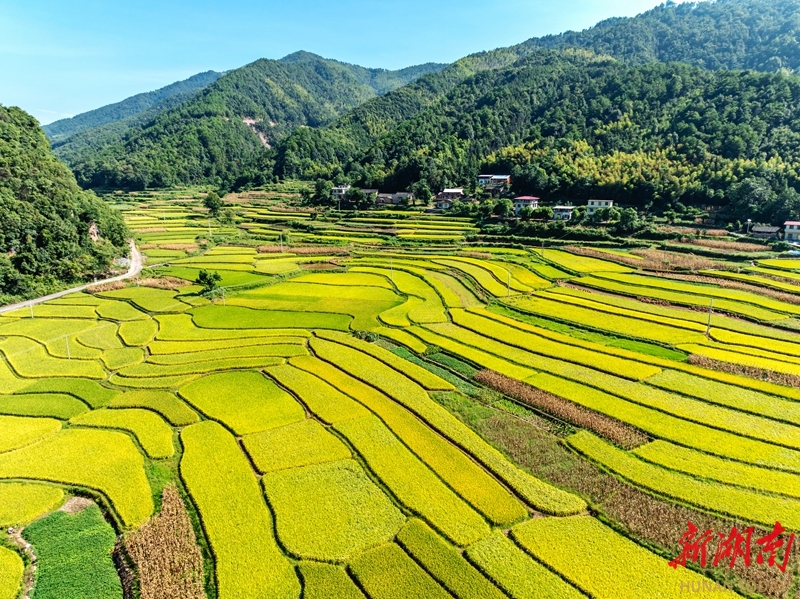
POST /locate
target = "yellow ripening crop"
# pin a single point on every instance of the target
(235, 516)
(11, 571)
(22, 503)
(455, 467)
(330, 512)
(325, 581)
(104, 461)
(387, 572)
(427, 379)
(245, 401)
(323, 400)
(515, 572)
(703, 465)
(170, 407)
(750, 506)
(412, 482)
(412, 396)
(610, 565)
(300, 444)
(153, 434)
(18, 432)
(444, 563)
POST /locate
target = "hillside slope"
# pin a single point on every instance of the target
(716, 34)
(231, 122)
(572, 124)
(61, 130)
(723, 34)
(45, 218)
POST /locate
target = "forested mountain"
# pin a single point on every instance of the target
(730, 34)
(61, 130)
(229, 123)
(717, 34)
(570, 124)
(45, 218)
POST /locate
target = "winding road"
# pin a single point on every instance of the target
(135, 269)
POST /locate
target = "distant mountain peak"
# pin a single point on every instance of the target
(301, 56)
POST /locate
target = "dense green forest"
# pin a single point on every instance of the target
(45, 217)
(97, 139)
(160, 99)
(572, 125)
(761, 35)
(213, 135)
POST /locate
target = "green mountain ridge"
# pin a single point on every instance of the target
(230, 123)
(45, 218)
(723, 34)
(570, 124)
(60, 131)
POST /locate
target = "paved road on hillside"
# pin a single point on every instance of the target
(135, 269)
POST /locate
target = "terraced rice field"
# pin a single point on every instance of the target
(305, 417)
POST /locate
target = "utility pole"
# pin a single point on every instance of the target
(710, 310)
(31, 306)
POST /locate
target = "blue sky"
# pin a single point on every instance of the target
(59, 58)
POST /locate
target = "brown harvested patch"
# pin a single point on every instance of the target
(75, 505)
(166, 554)
(106, 287)
(661, 260)
(186, 247)
(479, 255)
(657, 260)
(170, 283)
(615, 431)
(657, 522)
(148, 246)
(152, 230)
(761, 374)
(718, 244)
